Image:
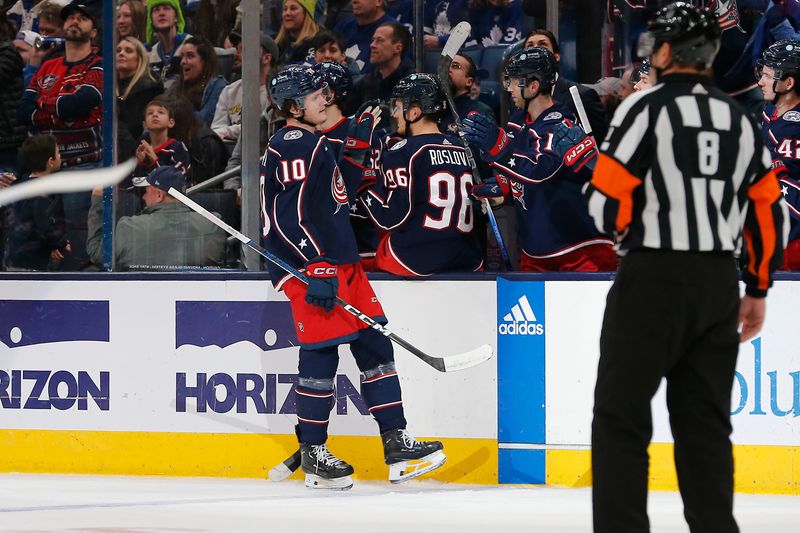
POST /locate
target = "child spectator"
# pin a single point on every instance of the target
(207, 153)
(157, 148)
(37, 233)
(199, 82)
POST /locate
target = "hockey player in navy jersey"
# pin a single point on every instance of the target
(556, 231)
(306, 223)
(422, 199)
(778, 74)
(335, 128)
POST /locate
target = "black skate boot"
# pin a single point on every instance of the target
(323, 469)
(408, 458)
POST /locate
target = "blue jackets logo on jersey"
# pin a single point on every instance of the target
(338, 190)
(792, 116)
(518, 192)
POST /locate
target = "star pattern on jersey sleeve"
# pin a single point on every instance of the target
(303, 243)
(511, 162)
(784, 190)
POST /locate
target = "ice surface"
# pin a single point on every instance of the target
(74, 503)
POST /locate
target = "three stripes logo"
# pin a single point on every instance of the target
(521, 320)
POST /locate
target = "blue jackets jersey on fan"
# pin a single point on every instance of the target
(422, 199)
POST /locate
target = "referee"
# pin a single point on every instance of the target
(681, 178)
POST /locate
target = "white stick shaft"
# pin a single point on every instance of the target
(576, 97)
(208, 215)
(67, 181)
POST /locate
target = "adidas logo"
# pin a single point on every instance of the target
(521, 320)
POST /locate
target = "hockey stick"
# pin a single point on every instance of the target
(67, 181)
(286, 468)
(576, 98)
(449, 363)
(458, 36)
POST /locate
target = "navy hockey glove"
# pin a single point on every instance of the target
(322, 283)
(489, 189)
(358, 144)
(481, 130)
(574, 146)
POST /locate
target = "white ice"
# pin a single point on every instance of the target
(95, 504)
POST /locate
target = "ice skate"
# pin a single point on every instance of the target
(323, 469)
(408, 458)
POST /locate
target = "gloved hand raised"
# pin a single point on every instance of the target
(574, 146)
(323, 283)
(489, 189)
(482, 131)
(358, 144)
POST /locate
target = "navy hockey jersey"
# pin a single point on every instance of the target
(551, 213)
(423, 201)
(365, 231)
(304, 204)
(782, 138)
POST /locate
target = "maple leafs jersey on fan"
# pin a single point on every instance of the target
(423, 201)
(782, 138)
(304, 204)
(551, 212)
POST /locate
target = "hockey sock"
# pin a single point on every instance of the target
(315, 394)
(380, 387)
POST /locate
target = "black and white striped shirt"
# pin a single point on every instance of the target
(683, 168)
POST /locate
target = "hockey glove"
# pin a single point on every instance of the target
(574, 146)
(482, 131)
(489, 189)
(358, 144)
(323, 283)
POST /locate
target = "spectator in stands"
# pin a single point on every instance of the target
(589, 97)
(358, 31)
(329, 46)
(165, 36)
(463, 74)
(643, 78)
(199, 82)
(132, 20)
(389, 44)
(228, 115)
(12, 133)
(157, 148)
(50, 22)
(207, 153)
(167, 235)
(496, 21)
(136, 87)
(65, 99)
(439, 18)
(297, 30)
(215, 19)
(37, 233)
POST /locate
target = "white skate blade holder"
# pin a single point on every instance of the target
(405, 470)
(339, 483)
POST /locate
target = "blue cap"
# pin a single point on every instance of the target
(164, 178)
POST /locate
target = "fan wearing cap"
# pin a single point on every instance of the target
(305, 207)
(227, 121)
(778, 75)
(165, 36)
(167, 235)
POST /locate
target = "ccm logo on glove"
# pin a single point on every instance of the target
(579, 150)
(323, 271)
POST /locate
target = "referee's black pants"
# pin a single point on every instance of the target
(674, 315)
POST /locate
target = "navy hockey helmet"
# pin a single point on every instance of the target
(692, 33)
(783, 57)
(293, 83)
(420, 89)
(336, 76)
(535, 63)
